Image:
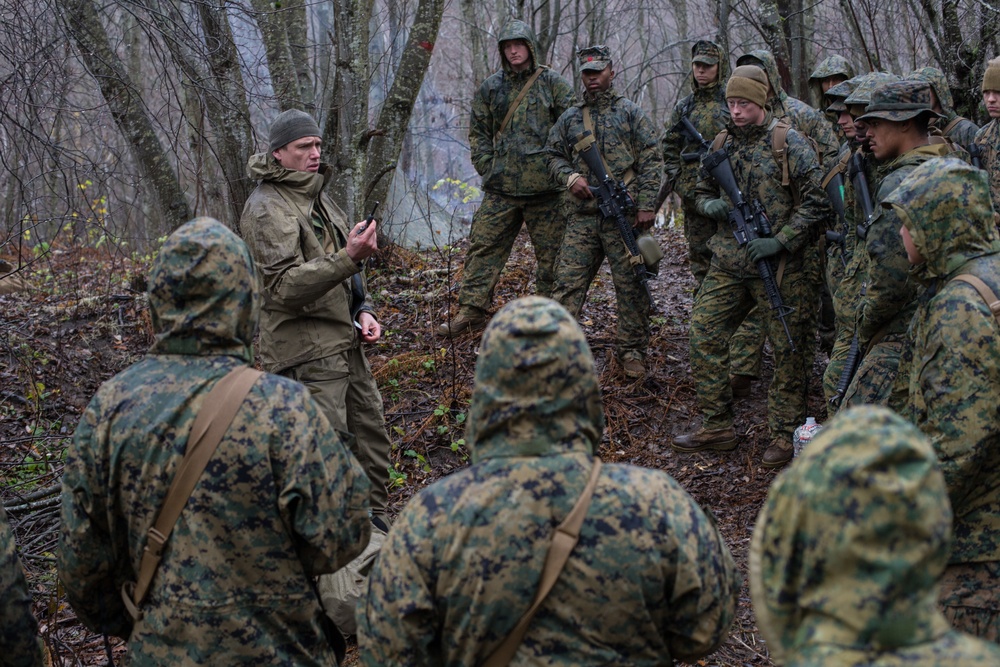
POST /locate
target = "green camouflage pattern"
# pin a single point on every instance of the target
(281, 500)
(515, 164)
(862, 94)
(988, 138)
(899, 101)
(960, 130)
(18, 627)
(848, 548)
(954, 383)
(969, 598)
(830, 66)
(650, 581)
(803, 117)
(626, 138)
(733, 285)
(706, 108)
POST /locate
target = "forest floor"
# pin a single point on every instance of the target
(84, 318)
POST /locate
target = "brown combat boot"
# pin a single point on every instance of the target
(721, 439)
(462, 323)
(634, 368)
(740, 385)
(778, 454)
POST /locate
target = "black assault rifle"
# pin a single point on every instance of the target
(976, 153)
(686, 129)
(614, 202)
(835, 193)
(749, 221)
(859, 179)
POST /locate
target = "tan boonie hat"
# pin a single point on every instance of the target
(900, 100)
(705, 52)
(594, 58)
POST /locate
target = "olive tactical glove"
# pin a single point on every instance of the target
(759, 249)
(716, 209)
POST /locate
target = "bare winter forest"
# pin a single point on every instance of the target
(122, 120)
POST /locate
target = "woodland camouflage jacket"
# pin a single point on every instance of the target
(281, 500)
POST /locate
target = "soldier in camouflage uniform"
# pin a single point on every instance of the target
(748, 343)
(733, 285)
(954, 381)
(317, 311)
(649, 582)
(830, 71)
(897, 120)
(18, 627)
(848, 548)
(515, 174)
(626, 139)
(950, 125)
(706, 108)
(847, 293)
(281, 500)
(988, 137)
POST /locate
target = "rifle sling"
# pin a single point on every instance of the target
(212, 422)
(517, 102)
(984, 291)
(588, 124)
(565, 538)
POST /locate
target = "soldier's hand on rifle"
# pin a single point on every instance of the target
(759, 249)
(644, 220)
(716, 209)
(579, 187)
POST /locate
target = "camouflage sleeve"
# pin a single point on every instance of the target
(813, 210)
(560, 148)
(92, 566)
(563, 96)
(18, 627)
(399, 623)
(322, 489)
(959, 394)
(826, 140)
(271, 233)
(482, 127)
(706, 580)
(648, 165)
(671, 146)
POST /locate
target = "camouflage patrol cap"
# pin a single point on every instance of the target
(536, 389)
(840, 92)
(862, 94)
(900, 100)
(705, 52)
(594, 58)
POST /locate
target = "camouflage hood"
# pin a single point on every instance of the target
(931, 199)
(517, 30)
(851, 540)
(829, 66)
(764, 58)
(536, 390)
(204, 294)
(723, 70)
(939, 84)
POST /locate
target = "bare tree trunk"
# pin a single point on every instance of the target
(84, 26)
(478, 39)
(280, 64)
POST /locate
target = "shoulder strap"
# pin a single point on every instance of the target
(566, 536)
(950, 126)
(719, 140)
(984, 291)
(588, 124)
(839, 168)
(212, 422)
(779, 145)
(517, 101)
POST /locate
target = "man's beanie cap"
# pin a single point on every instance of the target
(705, 52)
(594, 58)
(900, 100)
(991, 77)
(748, 82)
(291, 125)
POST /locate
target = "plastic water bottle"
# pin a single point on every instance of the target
(804, 434)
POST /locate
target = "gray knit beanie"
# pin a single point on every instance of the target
(291, 125)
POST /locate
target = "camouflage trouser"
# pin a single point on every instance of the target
(970, 598)
(747, 345)
(720, 306)
(875, 382)
(846, 296)
(587, 242)
(697, 230)
(344, 389)
(495, 227)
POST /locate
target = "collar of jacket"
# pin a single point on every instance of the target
(604, 98)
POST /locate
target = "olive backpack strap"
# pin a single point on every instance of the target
(984, 291)
(212, 422)
(517, 101)
(566, 536)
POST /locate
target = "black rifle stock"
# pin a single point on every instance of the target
(976, 153)
(851, 364)
(835, 193)
(614, 201)
(686, 129)
(749, 221)
(859, 179)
